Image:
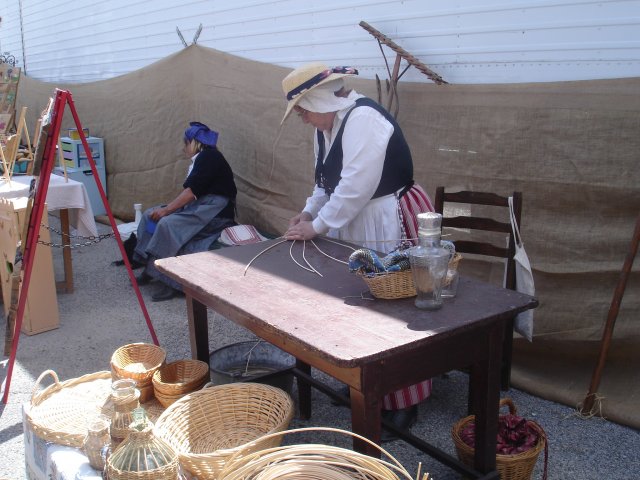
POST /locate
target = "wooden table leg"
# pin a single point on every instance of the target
(66, 286)
(485, 388)
(198, 329)
(304, 390)
(366, 421)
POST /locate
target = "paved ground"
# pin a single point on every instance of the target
(103, 314)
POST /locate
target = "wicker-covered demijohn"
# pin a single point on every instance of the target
(207, 426)
(143, 456)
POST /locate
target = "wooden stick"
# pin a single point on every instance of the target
(611, 321)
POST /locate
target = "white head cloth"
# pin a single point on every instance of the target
(321, 99)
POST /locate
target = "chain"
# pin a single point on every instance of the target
(90, 240)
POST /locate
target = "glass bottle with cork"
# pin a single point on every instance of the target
(429, 262)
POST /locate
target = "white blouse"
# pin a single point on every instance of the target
(350, 213)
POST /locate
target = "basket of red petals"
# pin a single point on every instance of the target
(519, 443)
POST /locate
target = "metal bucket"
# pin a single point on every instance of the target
(252, 361)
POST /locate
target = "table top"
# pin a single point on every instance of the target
(332, 314)
(62, 193)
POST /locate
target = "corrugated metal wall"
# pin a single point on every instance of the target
(466, 41)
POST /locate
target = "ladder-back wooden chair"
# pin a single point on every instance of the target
(477, 241)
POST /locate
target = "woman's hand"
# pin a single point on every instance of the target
(158, 213)
(301, 217)
(303, 230)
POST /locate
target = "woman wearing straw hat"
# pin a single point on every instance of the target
(195, 218)
(363, 165)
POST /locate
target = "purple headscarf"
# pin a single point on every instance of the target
(201, 133)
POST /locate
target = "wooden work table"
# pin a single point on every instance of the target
(374, 346)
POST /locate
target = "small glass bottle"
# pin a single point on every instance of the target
(126, 398)
(96, 441)
(429, 262)
(137, 208)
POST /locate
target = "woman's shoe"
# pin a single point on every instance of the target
(402, 419)
(144, 278)
(165, 292)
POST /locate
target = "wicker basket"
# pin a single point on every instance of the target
(394, 285)
(180, 377)
(206, 427)
(61, 413)
(309, 460)
(137, 361)
(390, 285)
(511, 467)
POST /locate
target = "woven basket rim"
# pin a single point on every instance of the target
(530, 455)
(144, 376)
(215, 458)
(159, 384)
(71, 437)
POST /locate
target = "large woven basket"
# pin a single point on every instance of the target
(61, 413)
(206, 427)
(511, 467)
(315, 461)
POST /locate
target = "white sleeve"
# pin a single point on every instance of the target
(364, 145)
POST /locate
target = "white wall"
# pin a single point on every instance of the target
(466, 41)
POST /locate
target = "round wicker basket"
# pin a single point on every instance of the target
(390, 286)
(313, 461)
(206, 427)
(61, 413)
(511, 467)
(137, 361)
(180, 377)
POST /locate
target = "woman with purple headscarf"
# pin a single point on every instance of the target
(193, 221)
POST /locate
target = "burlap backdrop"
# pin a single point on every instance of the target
(571, 148)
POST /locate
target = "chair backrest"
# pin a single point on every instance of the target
(483, 224)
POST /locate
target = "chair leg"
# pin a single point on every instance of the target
(507, 351)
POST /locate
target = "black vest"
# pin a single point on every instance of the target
(397, 171)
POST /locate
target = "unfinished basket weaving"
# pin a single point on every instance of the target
(511, 467)
(61, 413)
(206, 427)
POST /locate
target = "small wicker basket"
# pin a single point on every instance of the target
(511, 467)
(180, 377)
(393, 285)
(208, 426)
(138, 361)
(390, 285)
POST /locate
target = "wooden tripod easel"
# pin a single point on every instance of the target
(42, 167)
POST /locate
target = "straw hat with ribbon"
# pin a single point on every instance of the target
(304, 79)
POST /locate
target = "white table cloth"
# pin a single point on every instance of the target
(61, 194)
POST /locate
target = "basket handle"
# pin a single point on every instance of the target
(394, 464)
(509, 403)
(40, 378)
